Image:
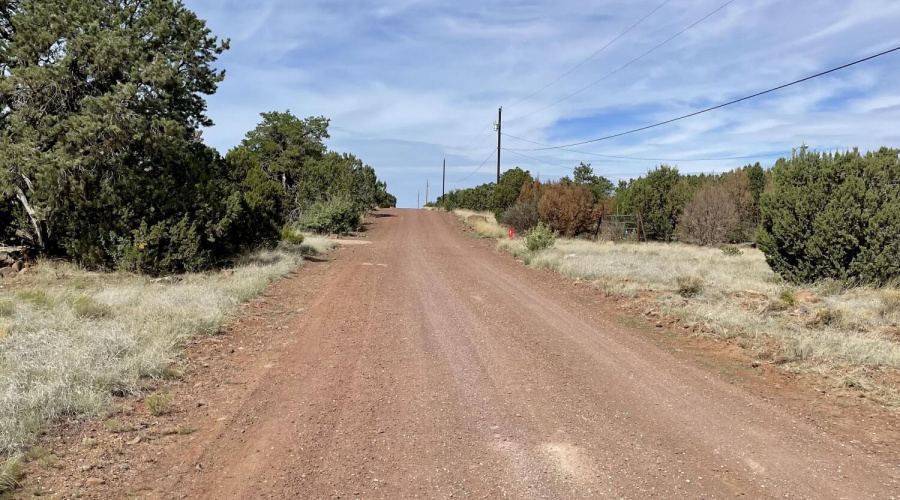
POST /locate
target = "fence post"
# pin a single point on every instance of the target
(640, 228)
(599, 222)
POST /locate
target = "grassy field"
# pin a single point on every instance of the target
(71, 340)
(848, 334)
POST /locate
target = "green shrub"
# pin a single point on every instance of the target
(689, 285)
(7, 308)
(834, 216)
(507, 191)
(522, 216)
(11, 472)
(336, 216)
(291, 236)
(36, 297)
(159, 404)
(86, 307)
(788, 298)
(732, 250)
(540, 238)
(660, 196)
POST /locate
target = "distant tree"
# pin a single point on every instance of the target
(285, 144)
(600, 186)
(567, 208)
(508, 190)
(711, 217)
(660, 196)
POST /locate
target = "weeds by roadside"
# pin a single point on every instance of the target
(73, 339)
(849, 334)
(484, 224)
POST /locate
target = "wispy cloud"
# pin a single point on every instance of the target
(409, 82)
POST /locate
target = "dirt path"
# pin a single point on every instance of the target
(426, 366)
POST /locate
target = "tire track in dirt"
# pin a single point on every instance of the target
(430, 367)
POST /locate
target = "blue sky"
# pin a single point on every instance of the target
(407, 83)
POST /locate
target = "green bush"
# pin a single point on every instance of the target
(336, 216)
(522, 216)
(291, 236)
(540, 238)
(732, 250)
(660, 197)
(159, 404)
(507, 191)
(86, 307)
(834, 216)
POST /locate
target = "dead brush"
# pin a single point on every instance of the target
(689, 285)
(890, 303)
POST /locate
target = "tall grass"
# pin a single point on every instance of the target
(833, 328)
(74, 339)
(484, 224)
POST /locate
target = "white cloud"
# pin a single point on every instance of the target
(409, 82)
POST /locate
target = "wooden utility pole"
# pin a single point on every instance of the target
(426, 191)
(444, 179)
(418, 203)
(499, 132)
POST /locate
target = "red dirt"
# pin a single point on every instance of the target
(426, 365)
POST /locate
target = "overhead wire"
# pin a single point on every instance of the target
(721, 158)
(629, 63)
(567, 73)
(493, 152)
(729, 103)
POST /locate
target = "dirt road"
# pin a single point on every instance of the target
(427, 366)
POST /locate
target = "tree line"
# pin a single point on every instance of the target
(101, 157)
(814, 215)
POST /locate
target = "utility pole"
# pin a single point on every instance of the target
(444, 179)
(426, 191)
(499, 127)
(418, 194)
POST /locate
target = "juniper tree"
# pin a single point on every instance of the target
(100, 104)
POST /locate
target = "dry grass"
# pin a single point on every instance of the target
(11, 471)
(159, 404)
(847, 333)
(484, 224)
(74, 339)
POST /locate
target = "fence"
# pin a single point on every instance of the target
(620, 227)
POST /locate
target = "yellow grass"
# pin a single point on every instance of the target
(72, 339)
(849, 333)
(484, 224)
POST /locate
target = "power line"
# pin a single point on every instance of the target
(567, 73)
(469, 146)
(535, 159)
(493, 152)
(729, 103)
(547, 146)
(629, 63)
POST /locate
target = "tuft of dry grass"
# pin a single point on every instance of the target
(831, 327)
(11, 472)
(159, 404)
(484, 224)
(70, 340)
(43, 457)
